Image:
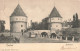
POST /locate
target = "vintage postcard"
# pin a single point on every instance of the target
(43, 25)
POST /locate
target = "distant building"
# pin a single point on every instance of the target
(18, 20)
(2, 27)
(66, 24)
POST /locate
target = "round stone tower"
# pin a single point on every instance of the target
(18, 20)
(55, 20)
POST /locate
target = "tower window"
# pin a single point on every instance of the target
(21, 25)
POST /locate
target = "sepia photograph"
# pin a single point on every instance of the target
(39, 21)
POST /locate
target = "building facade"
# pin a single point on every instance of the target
(55, 20)
(18, 20)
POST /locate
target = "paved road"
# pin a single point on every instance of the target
(25, 39)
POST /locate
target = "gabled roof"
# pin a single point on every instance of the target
(54, 13)
(18, 12)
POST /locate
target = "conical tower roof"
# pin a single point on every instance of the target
(18, 12)
(54, 13)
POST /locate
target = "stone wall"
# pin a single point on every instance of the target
(40, 31)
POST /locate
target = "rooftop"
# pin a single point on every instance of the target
(18, 11)
(54, 13)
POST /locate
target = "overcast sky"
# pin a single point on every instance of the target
(36, 10)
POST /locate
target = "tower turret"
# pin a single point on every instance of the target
(55, 20)
(18, 20)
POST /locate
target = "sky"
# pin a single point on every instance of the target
(36, 10)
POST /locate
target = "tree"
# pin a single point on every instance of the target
(40, 26)
(34, 25)
(2, 28)
(45, 23)
(70, 32)
(75, 23)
